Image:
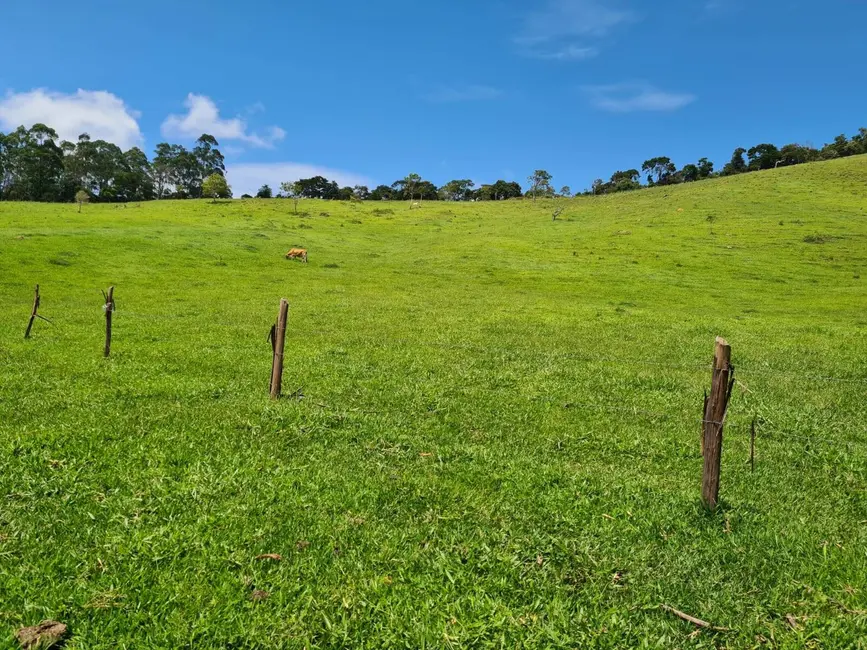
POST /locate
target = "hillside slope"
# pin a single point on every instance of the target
(490, 434)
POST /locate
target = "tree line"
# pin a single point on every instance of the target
(662, 171)
(34, 166)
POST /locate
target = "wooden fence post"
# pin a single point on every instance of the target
(278, 342)
(722, 380)
(33, 313)
(109, 308)
(753, 445)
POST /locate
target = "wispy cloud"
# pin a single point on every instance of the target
(561, 29)
(564, 53)
(102, 115)
(203, 117)
(636, 96)
(247, 178)
(470, 93)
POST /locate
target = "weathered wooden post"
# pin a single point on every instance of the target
(33, 314)
(722, 380)
(109, 308)
(278, 342)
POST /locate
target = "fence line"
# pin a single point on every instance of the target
(741, 371)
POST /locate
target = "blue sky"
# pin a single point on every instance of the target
(480, 89)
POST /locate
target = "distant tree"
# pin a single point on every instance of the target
(216, 187)
(540, 183)
(318, 187)
(409, 185)
(566, 191)
(292, 190)
(246, 196)
(207, 155)
(736, 165)
(689, 173)
(625, 181)
(796, 154)
(858, 143)
(81, 197)
(763, 156)
(659, 170)
(705, 168)
(457, 190)
(345, 193)
(265, 192)
(361, 192)
(382, 193)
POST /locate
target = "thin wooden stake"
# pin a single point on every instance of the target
(272, 339)
(109, 308)
(753, 445)
(722, 381)
(33, 314)
(279, 342)
(692, 619)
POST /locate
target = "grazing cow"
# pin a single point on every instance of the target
(297, 254)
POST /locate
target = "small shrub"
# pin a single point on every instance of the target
(818, 239)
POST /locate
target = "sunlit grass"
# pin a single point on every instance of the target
(492, 437)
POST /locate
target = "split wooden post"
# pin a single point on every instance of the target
(109, 308)
(753, 445)
(278, 342)
(722, 380)
(33, 314)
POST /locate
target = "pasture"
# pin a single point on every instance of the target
(490, 429)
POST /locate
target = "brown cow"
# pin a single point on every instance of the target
(297, 254)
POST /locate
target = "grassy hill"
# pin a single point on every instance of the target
(491, 429)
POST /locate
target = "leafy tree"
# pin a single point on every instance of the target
(858, 143)
(382, 193)
(406, 187)
(264, 192)
(458, 190)
(736, 165)
(345, 193)
(318, 187)
(796, 154)
(81, 197)
(624, 181)
(566, 191)
(361, 192)
(705, 168)
(293, 191)
(540, 183)
(208, 156)
(659, 170)
(689, 173)
(763, 156)
(216, 187)
(499, 191)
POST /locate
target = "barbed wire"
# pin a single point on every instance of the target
(206, 321)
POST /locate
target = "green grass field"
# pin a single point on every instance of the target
(498, 439)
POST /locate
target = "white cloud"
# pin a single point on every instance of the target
(570, 18)
(247, 178)
(565, 53)
(636, 96)
(99, 113)
(203, 117)
(451, 94)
